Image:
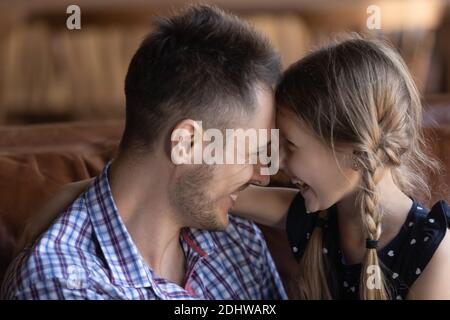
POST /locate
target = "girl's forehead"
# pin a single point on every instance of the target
(285, 116)
(287, 120)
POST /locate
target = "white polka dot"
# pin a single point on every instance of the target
(295, 249)
(413, 241)
(398, 297)
(325, 250)
(418, 271)
(352, 289)
(391, 253)
(426, 238)
(308, 235)
(431, 220)
(410, 224)
(345, 284)
(395, 275)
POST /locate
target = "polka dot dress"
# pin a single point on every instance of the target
(404, 257)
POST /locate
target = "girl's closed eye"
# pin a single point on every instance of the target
(290, 145)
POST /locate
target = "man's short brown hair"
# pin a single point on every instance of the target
(203, 65)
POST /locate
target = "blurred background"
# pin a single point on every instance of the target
(49, 73)
(62, 98)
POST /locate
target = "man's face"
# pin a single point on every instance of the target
(204, 194)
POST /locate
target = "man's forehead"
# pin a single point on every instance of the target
(263, 116)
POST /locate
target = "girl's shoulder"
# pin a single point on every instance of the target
(420, 236)
(299, 225)
(404, 258)
(409, 252)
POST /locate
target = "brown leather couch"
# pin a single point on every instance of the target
(36, 160)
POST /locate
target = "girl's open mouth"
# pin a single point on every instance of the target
(300, 184)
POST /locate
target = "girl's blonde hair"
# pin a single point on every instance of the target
(359, 93)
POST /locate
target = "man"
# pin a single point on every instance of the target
(149, 228)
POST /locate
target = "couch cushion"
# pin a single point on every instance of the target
(36, 160)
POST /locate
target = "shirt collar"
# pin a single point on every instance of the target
(128, 268)
(200, 241)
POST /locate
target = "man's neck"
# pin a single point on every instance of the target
(140, 194)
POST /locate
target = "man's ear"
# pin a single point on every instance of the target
(186, 142)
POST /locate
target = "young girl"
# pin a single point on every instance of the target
(350, 117)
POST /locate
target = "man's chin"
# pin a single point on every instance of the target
(217, 221)
(219, 217)
(221, 222)
(224, 224)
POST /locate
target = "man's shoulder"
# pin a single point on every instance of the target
(68, 236)
(62, 253)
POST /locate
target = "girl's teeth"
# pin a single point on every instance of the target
(298, 183)
(233, 196)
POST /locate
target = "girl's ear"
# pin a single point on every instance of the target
(355, 161)
(349, 158)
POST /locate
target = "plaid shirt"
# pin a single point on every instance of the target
(88, 254)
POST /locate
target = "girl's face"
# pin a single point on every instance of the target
(323, 177)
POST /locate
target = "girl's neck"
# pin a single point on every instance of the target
(395, 206)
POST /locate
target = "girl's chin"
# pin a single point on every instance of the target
(311, 206)
(311, 202)
(314, 205)
(312, 209)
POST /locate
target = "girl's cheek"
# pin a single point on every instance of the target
(305, 168)
(295, 165)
